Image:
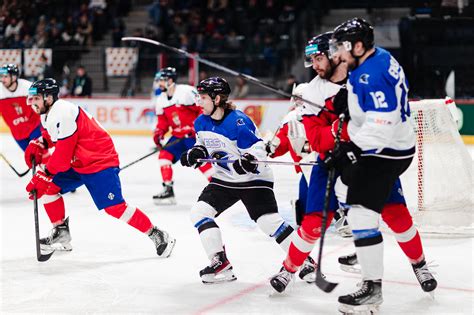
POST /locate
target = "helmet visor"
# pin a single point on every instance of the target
(335, 47)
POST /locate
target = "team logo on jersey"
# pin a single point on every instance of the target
(221, 155)
(240, 122)
(111, 196)
(364, 78)
(18, 108)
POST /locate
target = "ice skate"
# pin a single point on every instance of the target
(163, 242)
(220, 270)
(425, 277)
(349, 263)
(366, 300)
(308, 270)
(58, 239)
(166, 196)
(281, 280)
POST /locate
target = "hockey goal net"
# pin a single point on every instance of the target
(438, 185)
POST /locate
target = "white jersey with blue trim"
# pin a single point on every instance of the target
(378, 105)
(229, 139)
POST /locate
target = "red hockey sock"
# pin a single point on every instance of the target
(167, 173)
(305, 239)
(207, 170)
(399, 220)
(131, 215)
(166, 159)
(54, 206)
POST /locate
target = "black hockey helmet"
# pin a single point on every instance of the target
(10, 68)
(317, 45)
(45, 87)
(214, 86)
(354, 30)
(167, 73)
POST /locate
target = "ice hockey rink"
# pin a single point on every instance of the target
(114, 269)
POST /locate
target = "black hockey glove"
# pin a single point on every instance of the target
(244, 165)
(345, 154)
(340, 103)
(190, 157)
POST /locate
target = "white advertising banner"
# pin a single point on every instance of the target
(137, 116)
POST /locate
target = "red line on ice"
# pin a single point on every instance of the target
(250, 289)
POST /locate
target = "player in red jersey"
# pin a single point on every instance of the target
(84, 155)
(176, 110)
(23, 122)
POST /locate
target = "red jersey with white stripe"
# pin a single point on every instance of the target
(80, 141)
(317, 122)
(178, 112)
(21, 119)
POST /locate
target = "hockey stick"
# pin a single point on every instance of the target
(11, 166)
(260, 162)
(157, 149)
(225, 69)
(41, 257)
(321, 282)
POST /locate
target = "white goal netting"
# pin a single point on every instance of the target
(438, 185)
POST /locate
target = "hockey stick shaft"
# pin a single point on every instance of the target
(225, 69)
(152, 152)
(321, 282)
(260, 162)
(11, 166)
(39, 256)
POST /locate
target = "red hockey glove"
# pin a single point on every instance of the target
(35, 149)
(344, 133)
(158, 135)
(40, 182)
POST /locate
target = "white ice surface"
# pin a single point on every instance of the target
(114, 269)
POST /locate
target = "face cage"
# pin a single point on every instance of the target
(334, 47)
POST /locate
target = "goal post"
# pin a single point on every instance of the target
(438, 186)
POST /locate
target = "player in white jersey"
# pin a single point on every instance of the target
(224, 133)
(381, 149)
(176, 111)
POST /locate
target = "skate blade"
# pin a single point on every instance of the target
(169, 248)
(224, 276)
(56, 247)
(371, 309)
(165, 202)
(431, 294)
(310, 277)
(350, 269)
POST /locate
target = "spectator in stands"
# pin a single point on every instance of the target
(82, 83)
(241, 89)
(84, 31)
(43, 69)
(290, 82)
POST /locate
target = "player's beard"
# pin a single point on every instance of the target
(326, 73)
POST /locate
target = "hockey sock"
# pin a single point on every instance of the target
(304, 240)
(54, 206)
(368, 241)
(165, 159)
(399, 220)
(167, 173)
(274, 226)
(207, 170)
(131, 215)
(202, 216)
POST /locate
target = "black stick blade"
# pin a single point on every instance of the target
(44, 257)
(323, 284)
